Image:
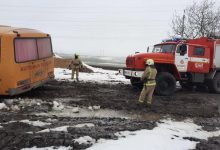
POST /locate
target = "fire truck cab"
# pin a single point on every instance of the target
(192, 62)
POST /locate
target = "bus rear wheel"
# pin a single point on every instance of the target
(166, 84)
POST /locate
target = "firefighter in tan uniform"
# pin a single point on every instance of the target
(75, 65)
(148, 78)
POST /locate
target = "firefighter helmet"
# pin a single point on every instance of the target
(149, 62)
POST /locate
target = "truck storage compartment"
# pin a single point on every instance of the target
(217, 56)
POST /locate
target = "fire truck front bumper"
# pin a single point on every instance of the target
(130, 73)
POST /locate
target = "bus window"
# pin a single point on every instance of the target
(25, 50)
(44, 48)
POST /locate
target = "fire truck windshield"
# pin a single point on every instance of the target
(167, 48)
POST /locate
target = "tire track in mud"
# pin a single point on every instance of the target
(124, 97)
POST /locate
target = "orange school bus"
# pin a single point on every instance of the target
(26, 59)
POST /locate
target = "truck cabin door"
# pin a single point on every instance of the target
(181, 57)
(199, 59)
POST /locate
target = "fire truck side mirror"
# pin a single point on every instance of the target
(148, 48)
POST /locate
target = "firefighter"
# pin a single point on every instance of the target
(75, 65)
(148, 79)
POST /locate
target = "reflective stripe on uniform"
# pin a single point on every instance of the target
(152, 82)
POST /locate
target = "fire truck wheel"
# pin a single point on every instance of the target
(166, 84)
(214, 85)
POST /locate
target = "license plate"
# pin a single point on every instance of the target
(127, 72)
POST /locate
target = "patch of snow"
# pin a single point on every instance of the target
(35, 123)
(49, 148)
(8, 122)
(64, 128)
(3, 106)
(84, 125)
(45, 131)
(15, 108)
(29, 102)
(90, 108)
(75, 109)
(57, 106)
(17, 104)
(58, 129)
(85, 140)
(166, 136)
(51, 120)
(96, 107)
(99, 76)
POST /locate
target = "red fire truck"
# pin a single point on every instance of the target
(192, 62)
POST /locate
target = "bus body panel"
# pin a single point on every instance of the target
(18, 77)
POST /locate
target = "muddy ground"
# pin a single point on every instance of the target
(202, 106)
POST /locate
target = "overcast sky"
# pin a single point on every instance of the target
(96, 27)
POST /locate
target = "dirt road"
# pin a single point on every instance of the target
(117, 102)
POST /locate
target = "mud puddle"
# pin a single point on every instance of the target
(85, 112)
(97, 112)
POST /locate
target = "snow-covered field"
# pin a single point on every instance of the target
(99, 76)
